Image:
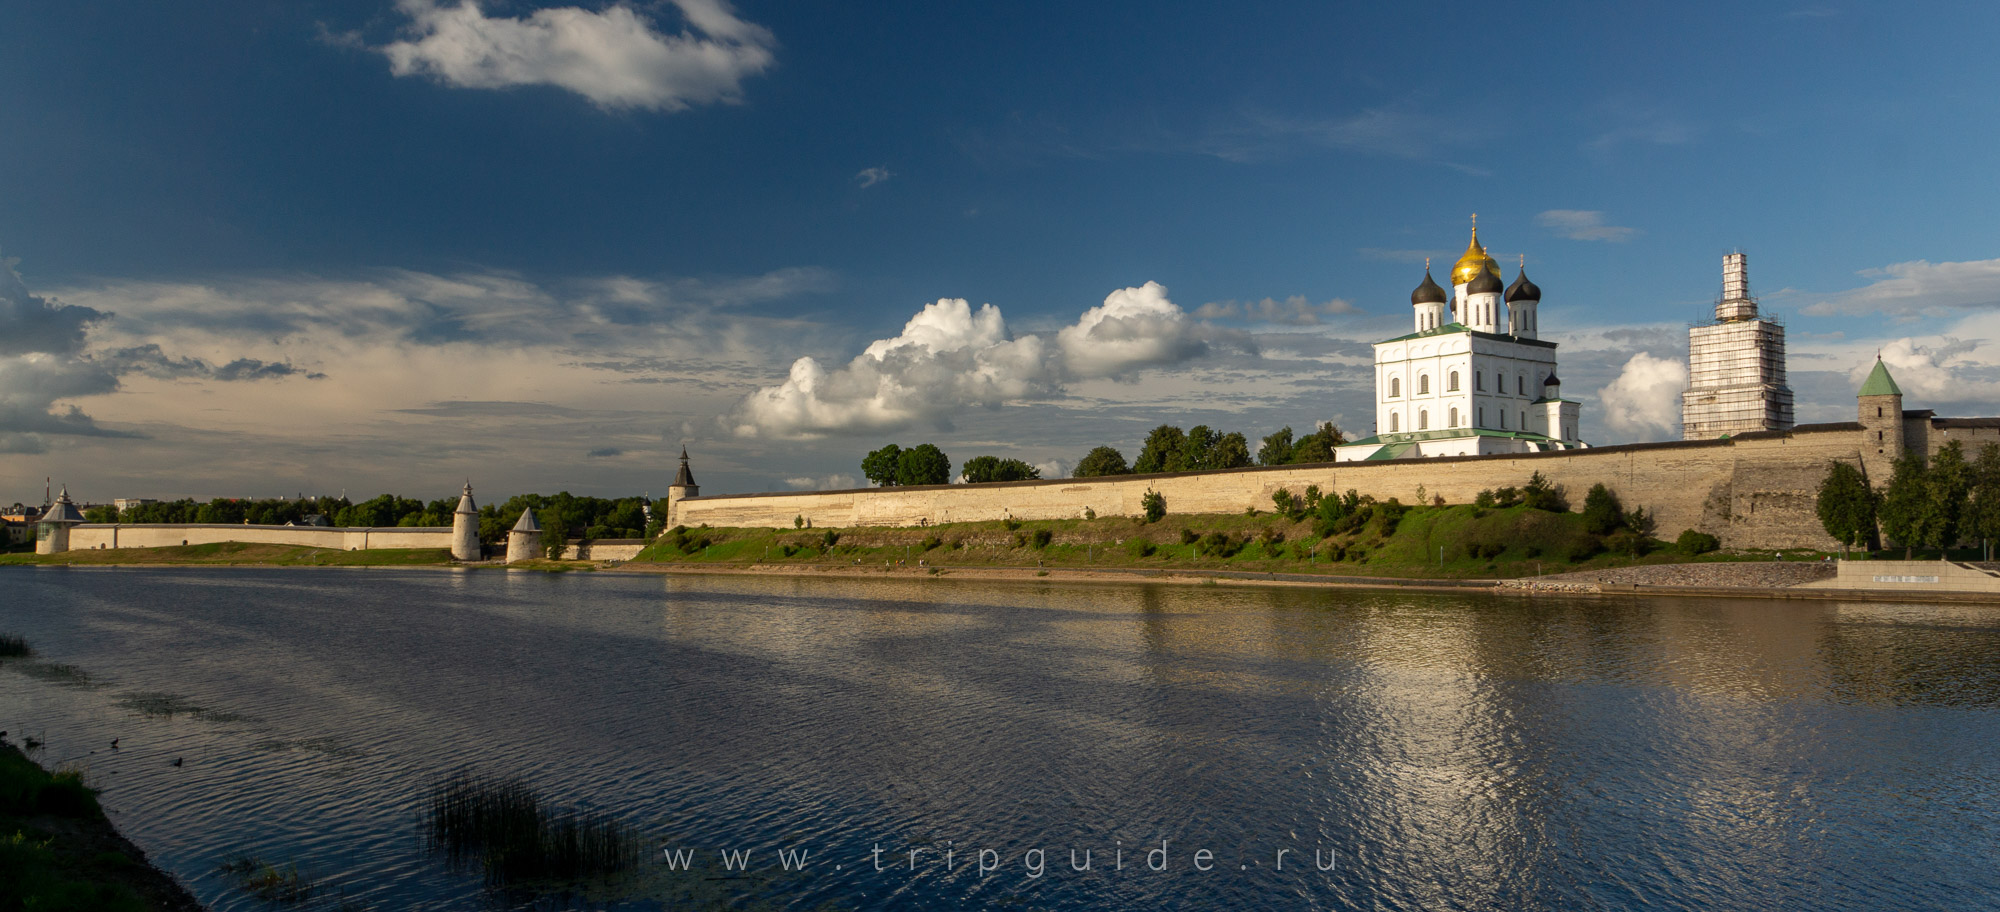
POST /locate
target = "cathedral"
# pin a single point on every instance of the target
(1474, 378)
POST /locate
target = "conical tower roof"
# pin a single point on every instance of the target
(465, 504)
(1879, 383)
(684, 478)
(63, 510)
(527, 522)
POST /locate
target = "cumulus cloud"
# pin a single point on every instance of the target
(834, 482)
(1948, 371)
(613, 57)
(1292, 311)
(1583, 225)
(869, 177)
(1918, 288)
(29, 323)
(1645, 400)
(950, 358)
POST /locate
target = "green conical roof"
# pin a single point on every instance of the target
(1879, 383)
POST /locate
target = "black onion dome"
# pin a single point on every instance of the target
(1552, 381)
(1428, 293)
(1523, 290)
(1487, 282)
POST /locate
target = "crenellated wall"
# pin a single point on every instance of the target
(149, 535)
(1751, 491)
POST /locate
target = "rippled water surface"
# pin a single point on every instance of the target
(1442, 751)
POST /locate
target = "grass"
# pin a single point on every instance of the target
(233, 553)
(44, 864)
(1476, 543)
(504, 828)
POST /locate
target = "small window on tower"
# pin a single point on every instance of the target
(1451, 382)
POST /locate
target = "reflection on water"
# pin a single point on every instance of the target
(1435, 751)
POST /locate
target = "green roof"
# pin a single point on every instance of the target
(1879, 383)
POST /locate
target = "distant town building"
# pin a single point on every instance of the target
(125, 503)
(1475, 377)
(1736, 366)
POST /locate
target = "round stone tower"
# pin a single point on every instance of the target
(1881, 414)
(682, 489)
(524, 542)
(465, 528)
(54, 537)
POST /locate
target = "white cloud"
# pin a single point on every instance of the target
(1134, 328)
(869, 177)
(1292, 311)
(1053, 468)
(950, 358)
(1918, 287)
(613, 57)
(1933, 373)
(834, 482)
(1583, 225)
(1645, 400)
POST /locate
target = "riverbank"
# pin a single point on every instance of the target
(236, 553)
(59, 852)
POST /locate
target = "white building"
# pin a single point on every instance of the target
(1736, 366)
(1474, 378)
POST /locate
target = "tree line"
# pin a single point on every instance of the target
(1167, 448)
(563, 514)
(1934, 505)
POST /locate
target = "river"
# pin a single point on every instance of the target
(1436, 750)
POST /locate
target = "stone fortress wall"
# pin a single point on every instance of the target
(92, 536)
(1755, 490)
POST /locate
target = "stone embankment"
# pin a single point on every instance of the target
(1717, 575)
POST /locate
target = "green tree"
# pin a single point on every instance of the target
(1231, 451)
(1102, 461)
(1847, 506)
(923, 464)
(1161, 452)
(1277, 448)
(882, 466)
(1602, 513)
(1541, 494)
(1155, 505)
(1198, 450)
(1982, 515)
(986, 469)
(1317, 446)
(101, 514)
(1948, 485)
(1903, 502)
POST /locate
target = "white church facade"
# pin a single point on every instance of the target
(1474, 377)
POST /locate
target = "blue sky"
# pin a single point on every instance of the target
(370, 245)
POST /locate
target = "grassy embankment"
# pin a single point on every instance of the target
(1450, 542)
(225, 553)
(58, 852)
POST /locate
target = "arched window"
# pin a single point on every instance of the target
(1423, 384)
(1482, 416)
(1520, 385)
(1395, 422)
(1524, 421)
(1479, 380)
(1395, 387)
(1454, 418)
(1424, 419)
(1503, 419)
(1451, 382)
(1878, 411)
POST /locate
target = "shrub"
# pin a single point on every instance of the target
(1155, 506)
(1140, 547)
(1089, 513)
(1283, 501)
(1010, 523)
(1693, 542)
(1270, 536)
(1602, 513)
(831, 538)
(1043, 537)
(1541, 494)
(930, 542)
(799, 521)
(1484, 500)
(1509, 496)
(1020, 539)
(1219, 544)
(1626, 541)
(1189, 536)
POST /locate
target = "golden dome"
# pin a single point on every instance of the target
(1475, 259)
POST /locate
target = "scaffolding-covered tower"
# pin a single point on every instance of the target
(1736, 366)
